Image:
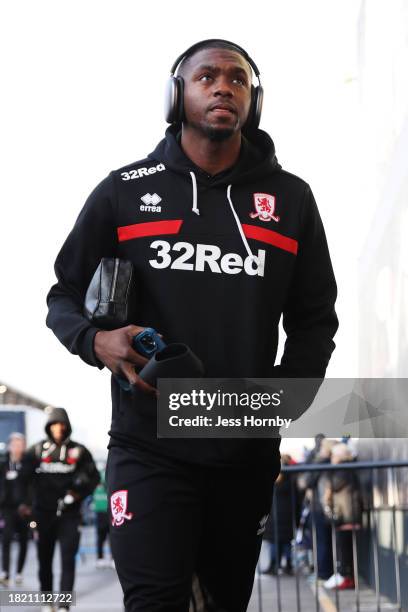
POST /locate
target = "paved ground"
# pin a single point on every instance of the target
(99, 589)
(309, 600)
(96, 589)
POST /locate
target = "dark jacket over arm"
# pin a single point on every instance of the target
(92, 237)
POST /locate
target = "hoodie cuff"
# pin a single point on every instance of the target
(88, 350)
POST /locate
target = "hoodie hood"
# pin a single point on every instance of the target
(58, 415)
(257, 158)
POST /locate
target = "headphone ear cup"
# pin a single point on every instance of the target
(254, 115)
(170, 96)
(180, 99)
(173, 100)
(258, 101)
(250, 119)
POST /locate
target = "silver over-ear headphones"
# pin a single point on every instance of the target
(174, 98)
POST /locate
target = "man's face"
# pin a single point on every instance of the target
(17, 447)
(217, 92)
(58, 431)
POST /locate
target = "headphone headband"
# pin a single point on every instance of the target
(202, 43)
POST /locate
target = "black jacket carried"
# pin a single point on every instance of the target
(218, 259)
(51, 470)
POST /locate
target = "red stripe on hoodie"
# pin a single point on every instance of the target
(271, 237)
(152, 228)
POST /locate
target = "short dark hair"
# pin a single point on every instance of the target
(213, 44)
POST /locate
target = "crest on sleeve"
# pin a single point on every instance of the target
(118, 504)
(264, 204)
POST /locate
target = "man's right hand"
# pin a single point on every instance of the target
(114, 349)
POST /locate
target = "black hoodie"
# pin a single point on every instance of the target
(218, 260)
(11, 486)
(50, 470)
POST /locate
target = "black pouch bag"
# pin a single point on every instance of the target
(110, 300)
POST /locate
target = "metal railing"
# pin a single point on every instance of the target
(371, 509)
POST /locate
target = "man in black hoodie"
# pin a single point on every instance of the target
(223, 242)
(58, 473)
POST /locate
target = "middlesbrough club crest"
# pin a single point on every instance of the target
(264, 204)
(118, 503)
(73, 455)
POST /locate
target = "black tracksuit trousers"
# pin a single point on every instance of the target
(13, 523)
(65, 529)
(102, 532)
(171, 521)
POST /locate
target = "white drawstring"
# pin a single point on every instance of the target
(195, 199)
(63, 452)
(237, 221)
(49, 451)
(241, 231)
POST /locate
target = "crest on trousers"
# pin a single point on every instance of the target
(262, 524)
(264, 204)
(118, 504)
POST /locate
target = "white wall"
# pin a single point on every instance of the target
(383, 266)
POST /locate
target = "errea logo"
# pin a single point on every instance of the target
(141, 172)
(150, 203)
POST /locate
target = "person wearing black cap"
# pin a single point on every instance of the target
(223, 242)
(58, 474)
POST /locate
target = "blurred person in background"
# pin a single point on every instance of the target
(282, 511)
(58, 474)
(316, 483)
(100, 507)
(342, 503)
(11, 496)
(313, 453)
